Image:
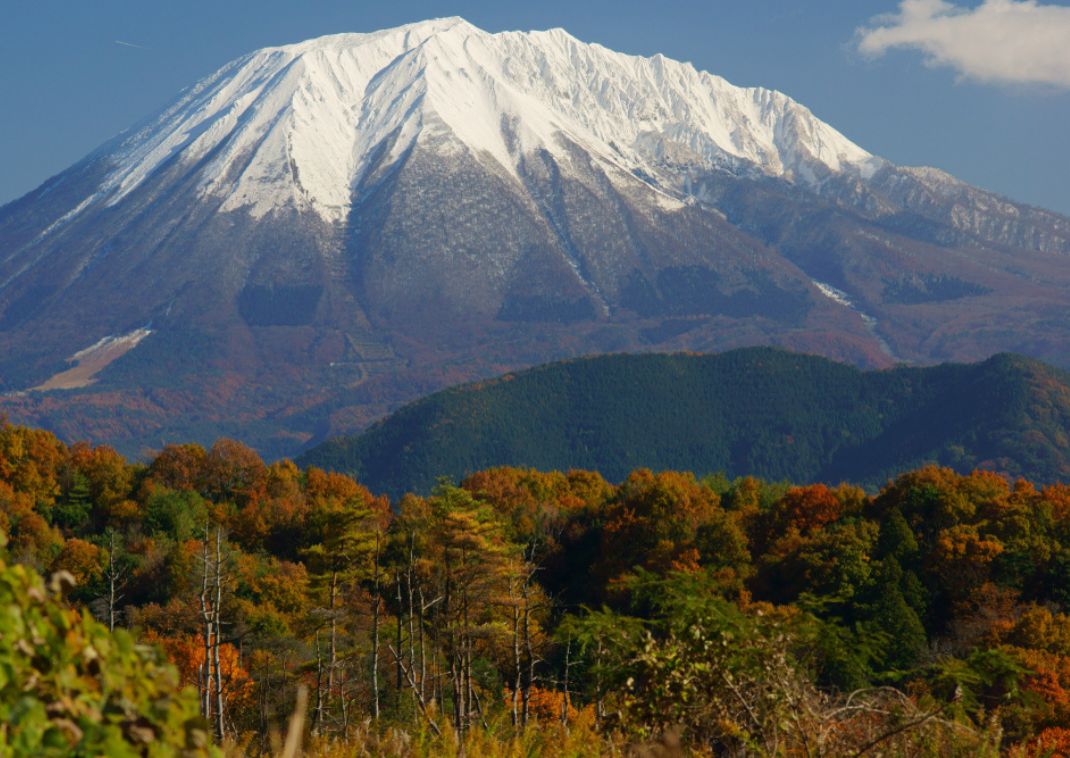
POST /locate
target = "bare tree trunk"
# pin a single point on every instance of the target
(436, 681)
(423, 645)
(317, 721)
(375, 630)
(343, 703)
(408, 585)
(466, 674)
(206, 617)
(565, 697)
(525, 698)
(461, 650)
(518, 669)
(111, 593)
(473, 698)
(332, 650)
(114, 575)
(458, 695)
(421, 706)
(220, 716)
(397, 588)
(453, 653)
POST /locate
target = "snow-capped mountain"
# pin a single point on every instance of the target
(302, 125)
(320, 230)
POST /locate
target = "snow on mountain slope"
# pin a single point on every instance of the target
(320, 231)
(300, 124)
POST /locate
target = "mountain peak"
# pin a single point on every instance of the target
(406, 35)
(298, 125)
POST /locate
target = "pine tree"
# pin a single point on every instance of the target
(337, 564)
(892, 616)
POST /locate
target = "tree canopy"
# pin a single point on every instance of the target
(524, 610)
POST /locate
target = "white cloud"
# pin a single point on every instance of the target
(999, 41)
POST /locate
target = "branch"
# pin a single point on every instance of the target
(892, 732)
(742, 701)
(415, 691)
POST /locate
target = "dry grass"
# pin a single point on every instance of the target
(552, 740)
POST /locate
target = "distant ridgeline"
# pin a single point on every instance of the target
(754, 411)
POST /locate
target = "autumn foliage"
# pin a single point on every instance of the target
(746, 617)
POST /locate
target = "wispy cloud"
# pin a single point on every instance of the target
(999, 41)
(130, 44)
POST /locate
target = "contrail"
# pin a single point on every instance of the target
(130, 44)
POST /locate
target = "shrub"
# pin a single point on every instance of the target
(69, 686)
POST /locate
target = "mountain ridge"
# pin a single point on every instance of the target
(450, 71)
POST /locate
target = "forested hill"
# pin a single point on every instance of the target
(754, 411)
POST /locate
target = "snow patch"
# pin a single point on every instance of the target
(834, 294)
(66, 217)
(841, 297)
(129, 341)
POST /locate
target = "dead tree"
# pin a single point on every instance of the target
(207, 612)
(220, 719)
(376, 581)
(115, 575)
(210, 676)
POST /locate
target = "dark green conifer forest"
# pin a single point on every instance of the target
(749, 412)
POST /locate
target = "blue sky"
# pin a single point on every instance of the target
(930, 89)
